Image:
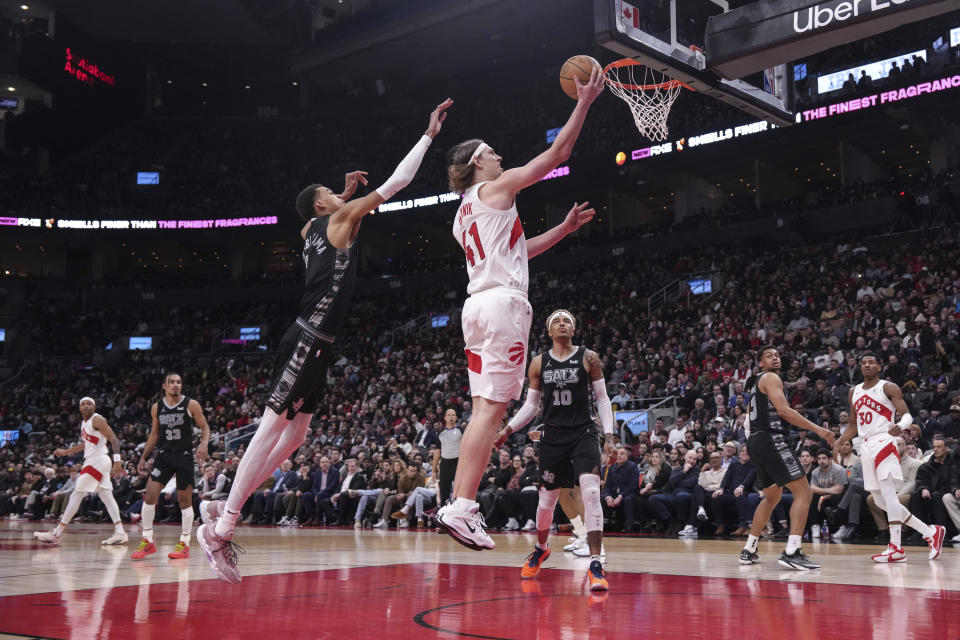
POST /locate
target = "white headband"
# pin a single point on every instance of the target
(480, 148)
(87, 398)
(560, 313)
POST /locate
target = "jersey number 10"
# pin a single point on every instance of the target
(562, 398)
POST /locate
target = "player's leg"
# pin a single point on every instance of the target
(159, 476)
(105, 491)
(546, 503)
(185, 501)
(573, 508)
(73, 504)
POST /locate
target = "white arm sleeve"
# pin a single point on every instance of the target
(905, 421)
(529, 411)
(603, 405)
(405, 171)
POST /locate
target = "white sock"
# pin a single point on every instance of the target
(405, 508)
(919, 526)
(147, 512)
(186, 524)
(544, 546)
(793, 544)
(118, 528)
(595, 558)
(751, 545)
(464, 504)
(58, 530)
(895, 530)
(578, 529)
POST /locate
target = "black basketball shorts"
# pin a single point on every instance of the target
(168, 463)
(568, 453)
(773, 459)
(302, 371)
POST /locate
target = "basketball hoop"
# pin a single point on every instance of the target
(648, 93)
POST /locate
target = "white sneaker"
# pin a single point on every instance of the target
(955, 538)
(575, 543)
(221, 554)
(512, 525)
(814, 532)
(529, 526)
(294, 521)
(210, 510)
(283, 522)
(403, 523)
(116, 538)
(584, 552)
(380, 524)
(843, 532)
(47, 536)
(689, 531)
(465, 526)
(358, 525)
(702, 514)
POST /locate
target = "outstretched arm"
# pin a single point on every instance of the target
(772, 386)
(578, 216)
(343, 223)
(604, 409)
(505, 187)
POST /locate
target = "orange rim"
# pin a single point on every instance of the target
(630, 62)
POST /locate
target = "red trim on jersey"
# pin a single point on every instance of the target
(870, 403)
(886, 452)
(517, 232)
(474, 362)
(89, 437)
(93, 472)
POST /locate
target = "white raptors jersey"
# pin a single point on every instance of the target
(494, 244)
(874, 411)
(94, 442)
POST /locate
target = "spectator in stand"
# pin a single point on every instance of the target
(847, 513)
(655, 476)
(711, 477)
(933, 482)
(61, 495)
(671, 506)
(213, 485)
(828, 482)
(951, 497)
(939, 403)
(729, 501)
(949, 425)
(619, 490)
(494, 481)
(410, 480)
(325, 483)
(347, 498)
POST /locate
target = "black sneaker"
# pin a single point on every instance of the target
(749, 557)
(798, 561)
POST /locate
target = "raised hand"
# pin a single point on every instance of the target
(578, 216)
(437, 116)
(350, 183)
(587, 93)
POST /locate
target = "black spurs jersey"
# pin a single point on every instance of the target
(763, 415)
(329, 279)
(176, 426)
(567, 398)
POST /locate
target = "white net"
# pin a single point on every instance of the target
(648, 93)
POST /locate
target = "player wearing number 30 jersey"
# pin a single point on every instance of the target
(496, 317)
(874, 403)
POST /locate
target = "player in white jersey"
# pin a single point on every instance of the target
(874, 402)
(94, 475)
(496, 317)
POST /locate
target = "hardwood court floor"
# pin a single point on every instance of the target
(339, 583)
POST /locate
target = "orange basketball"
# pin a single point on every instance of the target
(576, 67)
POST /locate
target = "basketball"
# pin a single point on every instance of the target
(576, 67)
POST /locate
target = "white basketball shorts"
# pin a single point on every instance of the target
(496, 326)
(881, 461)
(94, 473)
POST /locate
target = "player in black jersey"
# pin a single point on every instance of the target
(776, 465)
(330, 256)
(562, 379)
(171, 433)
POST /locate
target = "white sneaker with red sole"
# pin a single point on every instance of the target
(890, 555)
(936, 541)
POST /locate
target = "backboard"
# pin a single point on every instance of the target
(669, 37)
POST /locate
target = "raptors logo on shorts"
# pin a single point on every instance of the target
(516, 353)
